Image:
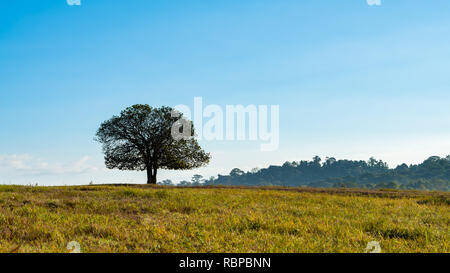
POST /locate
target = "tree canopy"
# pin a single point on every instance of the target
(141, 138)
(432, 174)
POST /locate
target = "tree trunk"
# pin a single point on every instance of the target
(151, 176)
(155, 171)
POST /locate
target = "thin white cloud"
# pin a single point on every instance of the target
(29, 165)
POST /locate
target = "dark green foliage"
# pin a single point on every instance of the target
(432, 174)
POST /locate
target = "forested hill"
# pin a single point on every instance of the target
(432, 174)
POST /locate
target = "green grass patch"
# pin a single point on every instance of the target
(165, 219)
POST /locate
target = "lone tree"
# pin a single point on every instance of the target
(141, 138)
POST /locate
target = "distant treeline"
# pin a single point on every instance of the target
(432, 174)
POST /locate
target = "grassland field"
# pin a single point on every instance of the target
(126, 218)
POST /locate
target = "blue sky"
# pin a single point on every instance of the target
(352, 80)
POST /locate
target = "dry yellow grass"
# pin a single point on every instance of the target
(156, 219)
